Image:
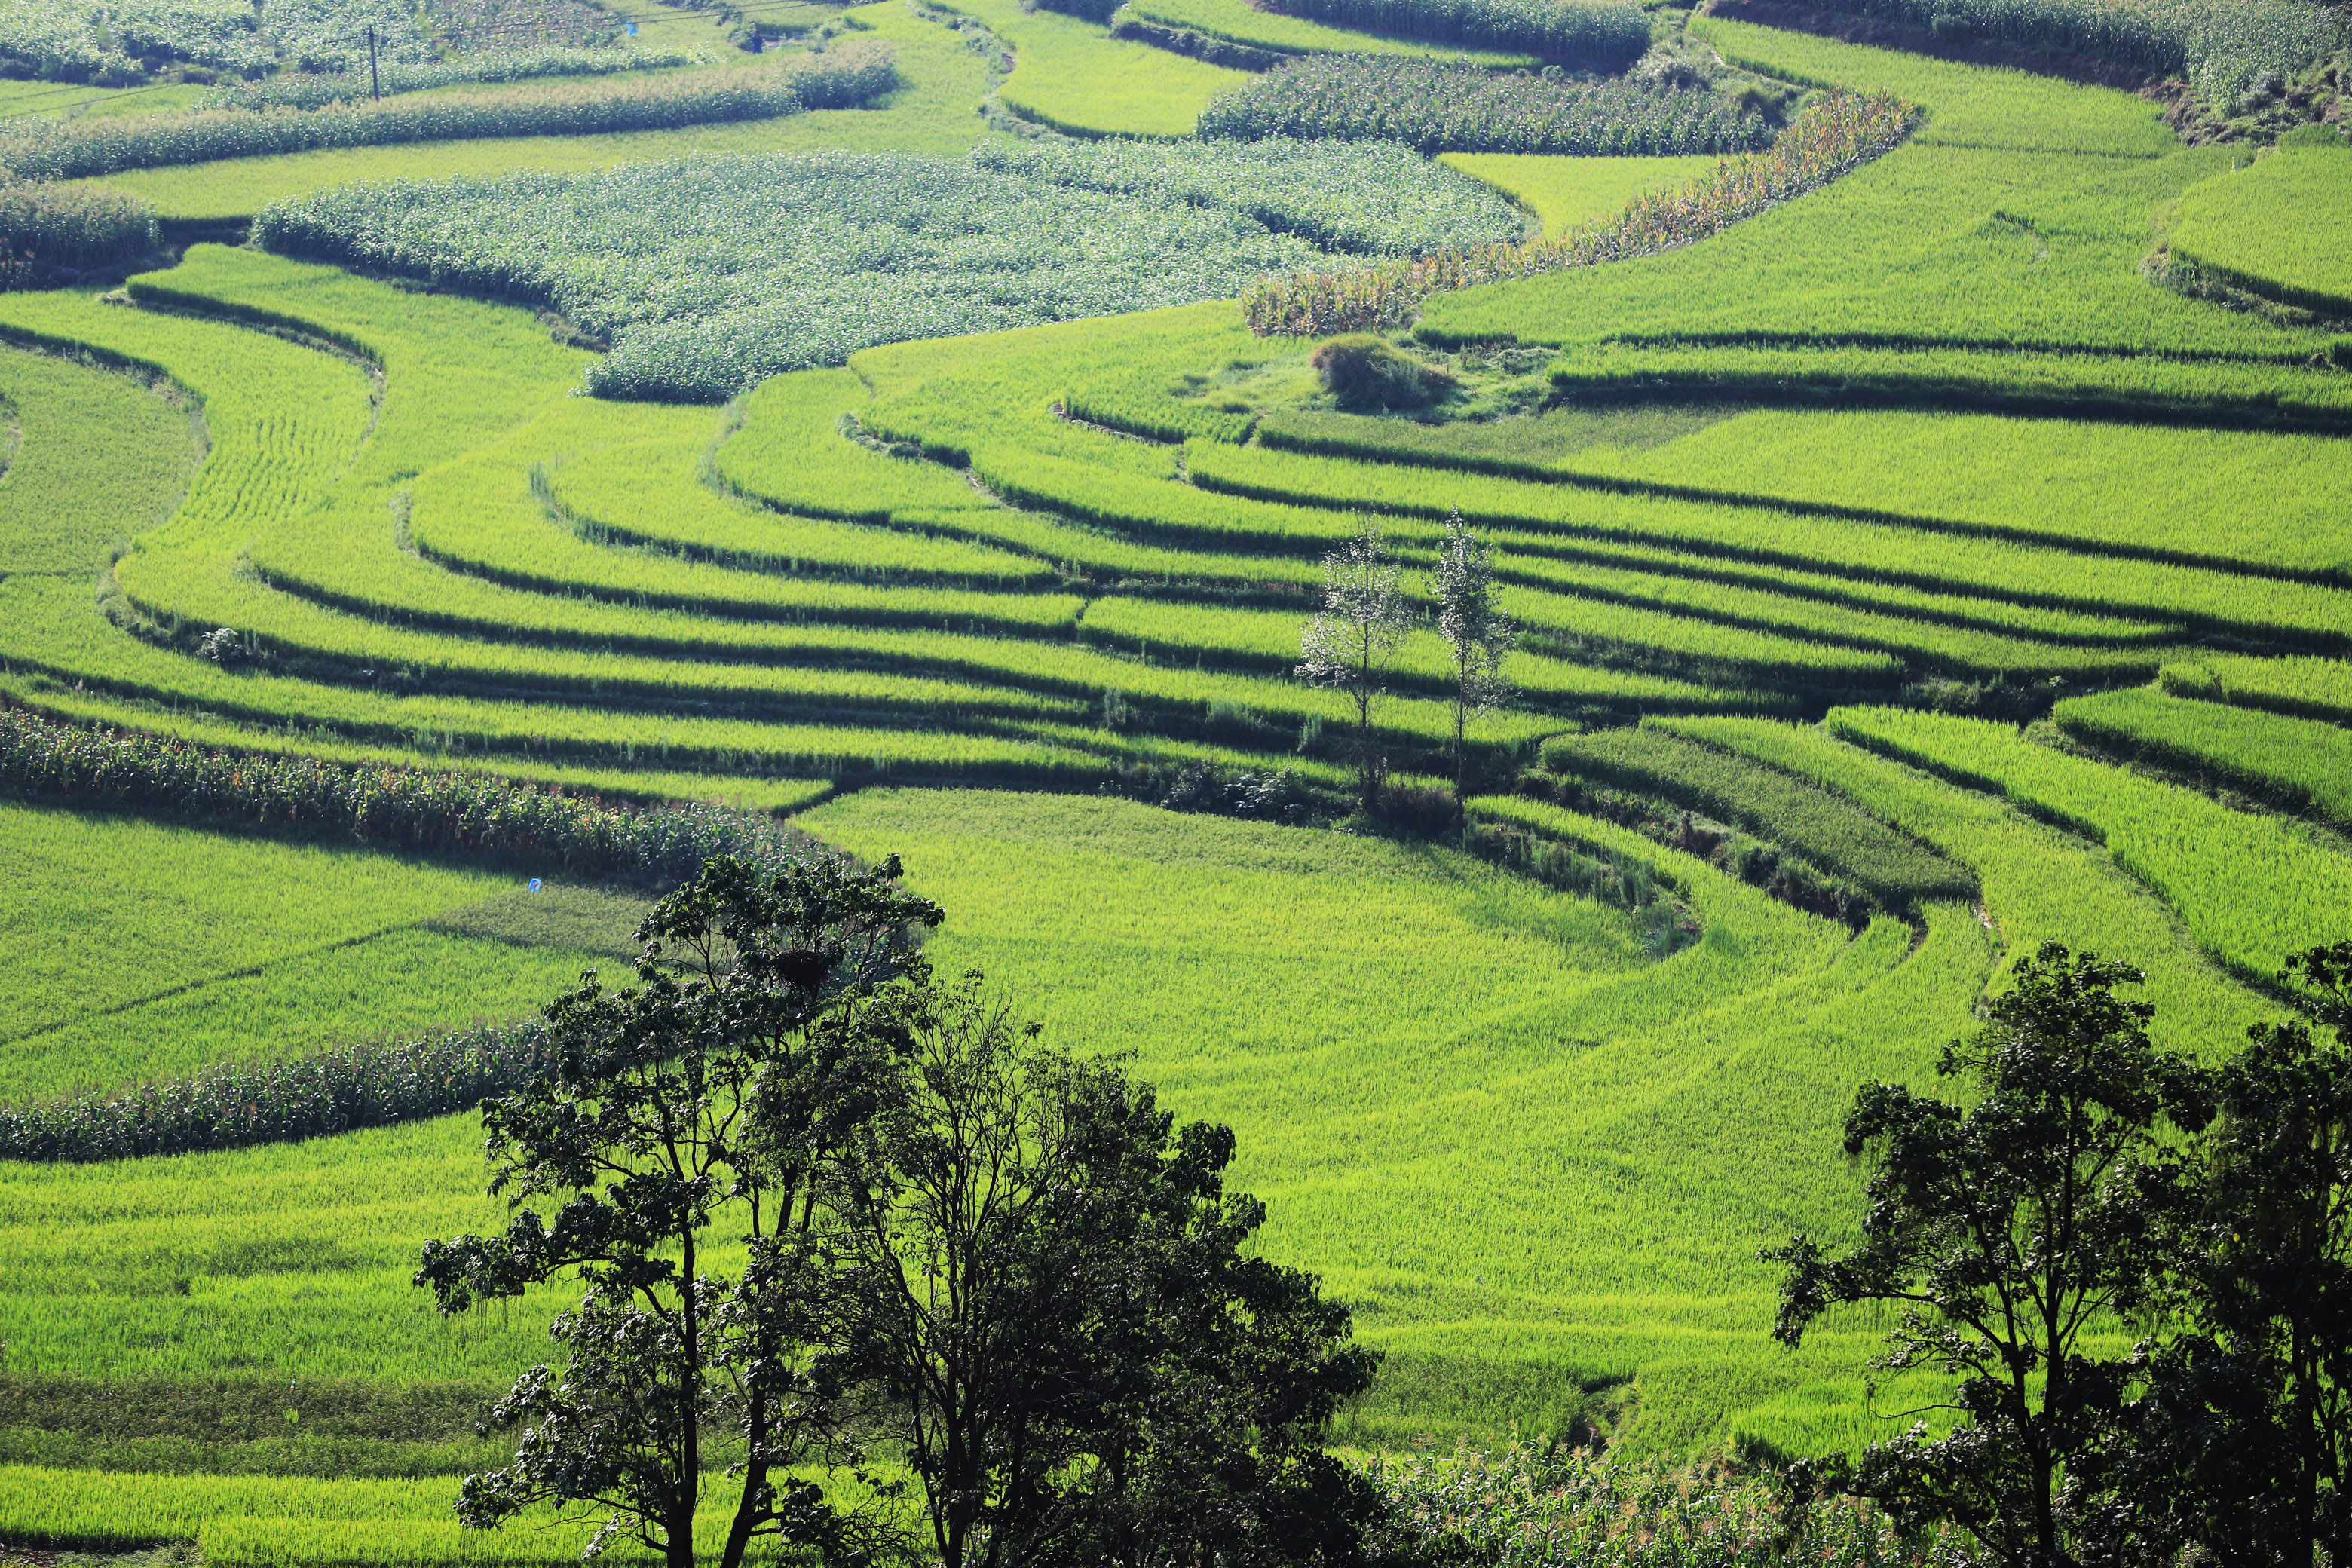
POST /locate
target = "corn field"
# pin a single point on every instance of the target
(1442, 106)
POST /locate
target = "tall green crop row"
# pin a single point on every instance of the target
(1831, 138)
(2223, 45)
(79, 704)
(317, 89)
(46, 227)
(1441, 106)
(1596, 34)
(39, 148)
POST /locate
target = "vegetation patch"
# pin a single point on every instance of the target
(1597, 35)
(1054, 233)
(1439, 106)
(2222, 44)
(1829, 138)
(1834, 834)
(40, 148)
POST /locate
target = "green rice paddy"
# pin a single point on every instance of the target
(1781, 514)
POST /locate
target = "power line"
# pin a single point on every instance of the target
(110, 97)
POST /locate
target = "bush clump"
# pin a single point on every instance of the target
(45, 229)
(1362, 371)
(1448, 106)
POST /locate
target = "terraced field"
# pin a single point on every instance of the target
(1906, 575)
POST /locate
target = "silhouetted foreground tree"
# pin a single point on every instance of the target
(1005, 1262)
(2095, 1186)
(1046, 1285)
(717, 1091)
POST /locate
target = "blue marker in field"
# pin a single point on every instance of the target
(534, 884)
(633, 29)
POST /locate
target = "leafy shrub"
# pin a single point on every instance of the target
(1535, 1506)
(2220, 44)
(316, 90)
(1596, 34)
(397, 808)
(1443, 105)
(1097, 11)
(1839, 132)
(235, 1107)
(40, 148)
(772, 264)
(1365, 371)
(76, 226)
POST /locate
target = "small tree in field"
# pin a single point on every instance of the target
(704, 1104)
(1476, 632)
(2004, 1228)
(1353, 639)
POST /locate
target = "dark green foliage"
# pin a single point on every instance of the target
(1831, 833)
(1262, 797)
(1060, 1307)
(2221, 45)
(235, 1107)
(1594, 34)
(41, 148)
(2007, 1231)
(717, 1091)
(1092, 10)
(1448, 106)
(2242, 1447)
(393, 808)
(43, 227)
(1363, 371)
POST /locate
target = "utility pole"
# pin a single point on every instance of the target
(375, 83)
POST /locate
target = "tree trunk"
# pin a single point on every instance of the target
(755, 1478)
(1461, 768)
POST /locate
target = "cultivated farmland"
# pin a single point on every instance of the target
(1920, 493)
